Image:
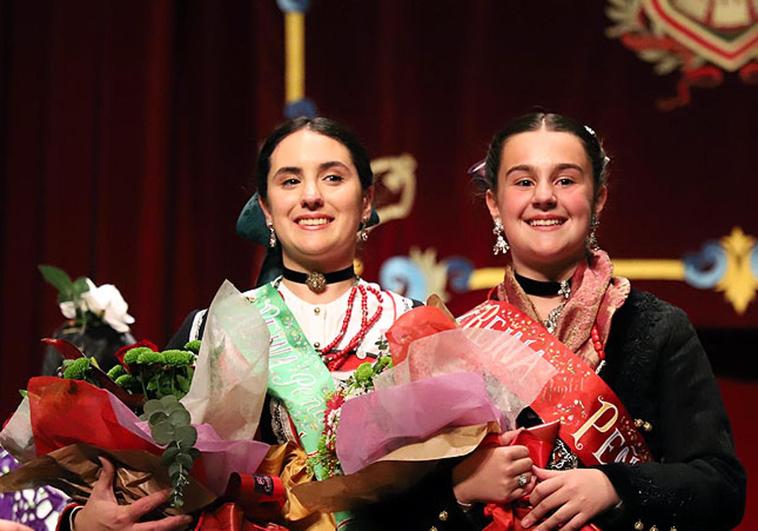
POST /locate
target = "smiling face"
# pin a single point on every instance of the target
(315, 201)
(544, 198)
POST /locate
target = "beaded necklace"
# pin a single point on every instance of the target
(334, 359)
(599, 348)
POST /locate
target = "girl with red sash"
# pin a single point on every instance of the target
(644, 442)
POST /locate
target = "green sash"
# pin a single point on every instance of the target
(296, 374)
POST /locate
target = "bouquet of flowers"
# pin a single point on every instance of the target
(448, 391)
(444, 391)
(200, 408)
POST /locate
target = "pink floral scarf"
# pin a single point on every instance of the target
(595, 296)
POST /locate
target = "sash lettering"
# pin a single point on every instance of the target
(594, 422)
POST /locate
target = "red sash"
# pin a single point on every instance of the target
(593, 421)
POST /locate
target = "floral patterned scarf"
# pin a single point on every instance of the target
(595, 296)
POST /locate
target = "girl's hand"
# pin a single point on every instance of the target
(492, 474)
(574, 497)
(102, 511)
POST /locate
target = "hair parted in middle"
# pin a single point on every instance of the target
(322, 126)
(487, 179)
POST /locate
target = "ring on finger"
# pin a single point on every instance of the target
(522, 480)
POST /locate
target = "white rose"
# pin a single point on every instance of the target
(68, 309)
(107, 302)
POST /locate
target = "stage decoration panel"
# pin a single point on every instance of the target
(728, 265)
(701, 39)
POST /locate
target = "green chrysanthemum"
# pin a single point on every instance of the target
(193, 346)
(77, 369)
(132, 355)
(127, 381)
(148, 357)
(364, 373)
(115, 372)
(178, 358)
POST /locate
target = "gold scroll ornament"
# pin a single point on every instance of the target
(739, 283)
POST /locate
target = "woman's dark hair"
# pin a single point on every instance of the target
(320, 125)
(487, 178)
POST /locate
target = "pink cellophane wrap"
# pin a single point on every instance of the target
(221, 457)
(377, 423)
(514, 372)
(231, 372)
(452, 378)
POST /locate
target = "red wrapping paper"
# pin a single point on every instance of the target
(421, 322)
(65, 412)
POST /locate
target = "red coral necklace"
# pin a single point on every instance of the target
(335, 358)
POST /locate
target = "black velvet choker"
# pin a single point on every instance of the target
(543, 288)
(316, 281)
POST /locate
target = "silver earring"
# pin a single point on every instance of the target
(592, 244)
(271, 235)
(363, 231)
(501, 245)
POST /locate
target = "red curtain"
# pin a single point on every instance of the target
(128, 133)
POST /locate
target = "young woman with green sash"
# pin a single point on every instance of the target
(312, 208)
(313, 205)
(644, 441)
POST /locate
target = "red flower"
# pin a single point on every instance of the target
(335, 401)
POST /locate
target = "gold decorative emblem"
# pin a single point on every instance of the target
(739, 282)
(728, 265)
(316, 282)
(698, 37)
(396, 190)
(435, 272)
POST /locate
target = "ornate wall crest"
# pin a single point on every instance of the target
(700, 38)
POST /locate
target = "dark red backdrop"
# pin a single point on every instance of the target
(128, 132)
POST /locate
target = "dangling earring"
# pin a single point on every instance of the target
(501, 246)
(363, 231)
(592, 244)
(271, 235)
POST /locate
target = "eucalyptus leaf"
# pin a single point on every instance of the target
(163, 432)
(184, 459)
(169, 401)
(169, 455)
(153, 406)
(186, 436)
(179, 417)
(58, 278)
(158, 417)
